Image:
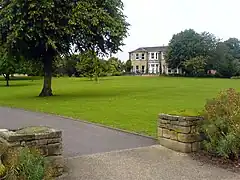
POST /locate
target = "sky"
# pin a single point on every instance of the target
(153, 22)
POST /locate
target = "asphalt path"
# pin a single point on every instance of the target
(79, 138)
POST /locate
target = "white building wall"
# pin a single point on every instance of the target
(153, 62)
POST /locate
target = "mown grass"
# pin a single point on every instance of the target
(130, 103)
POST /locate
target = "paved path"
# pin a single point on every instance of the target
(79, 138)
(147, 163)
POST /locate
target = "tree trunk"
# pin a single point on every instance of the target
(7, 77)
(47, 84)
(96, 78)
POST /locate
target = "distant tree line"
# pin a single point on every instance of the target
(198, 54)
(90, 65)
(75, 65)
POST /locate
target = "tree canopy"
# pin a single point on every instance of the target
(227, 59)
(42, 30)
(197, 53)
(189, 44)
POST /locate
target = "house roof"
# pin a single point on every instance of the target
(152, 49)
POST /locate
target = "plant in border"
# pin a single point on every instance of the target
(221, 124)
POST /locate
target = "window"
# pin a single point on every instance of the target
(152, 55)
(137, 56)
(156, 55)
(152, 65)
(143, 67)
(137, 67)
(143, 56)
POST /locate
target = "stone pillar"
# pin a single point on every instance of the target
(45, 139)
(179, 133)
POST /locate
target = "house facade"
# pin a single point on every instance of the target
(151, 60)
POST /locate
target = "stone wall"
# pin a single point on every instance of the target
(179, 133)
(45, 139)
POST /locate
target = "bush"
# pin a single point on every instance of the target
(235, 77)
(222, 124)
(27, 164)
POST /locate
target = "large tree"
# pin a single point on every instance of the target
(227, 58)
(189, 44)
(44, 29)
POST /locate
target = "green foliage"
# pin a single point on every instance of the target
(10, 65)
(235, 77)
(115, 66)
(32, 165)
(197, 53)
(227, 57)
(196, 66)
(188, 47)
(222, 124)
(66, 65)
(189, 44)
(2, 170)
(128, 66)
(7, 64)
(90, 65)
(27, 164)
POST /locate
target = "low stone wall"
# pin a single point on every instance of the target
(179, 133)
(45, 139)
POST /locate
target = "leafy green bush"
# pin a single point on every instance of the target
(27, 164)
(235, 77)
(2, 170)
(222, 124)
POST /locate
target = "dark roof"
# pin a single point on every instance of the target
(152, 49)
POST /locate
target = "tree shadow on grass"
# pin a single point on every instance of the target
(22, 78)
(91, 94)
(17, 85)
(100, 79)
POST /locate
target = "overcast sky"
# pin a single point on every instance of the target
(153, 22)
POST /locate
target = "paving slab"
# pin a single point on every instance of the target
(147, 163)
(79, 137)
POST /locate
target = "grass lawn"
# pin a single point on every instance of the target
(130, 103)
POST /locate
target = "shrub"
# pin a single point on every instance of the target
(27, 164)
(222, 124)
(2, 170)
(235, 77)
